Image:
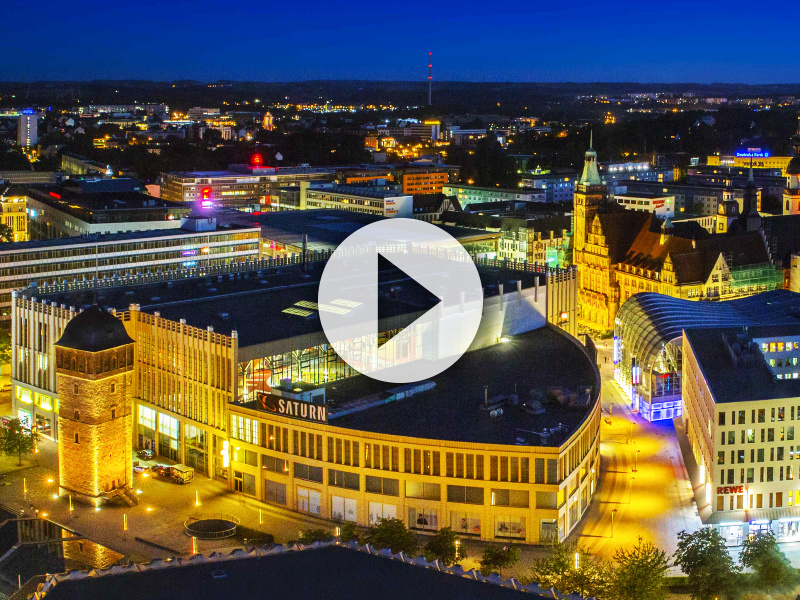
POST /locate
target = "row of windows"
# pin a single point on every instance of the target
(775, 454)
(775, 499)
(413, 489)
(749, 435)
(766, 475)
(758, 415)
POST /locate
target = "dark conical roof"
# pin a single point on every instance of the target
(793, 168)
(94, 330)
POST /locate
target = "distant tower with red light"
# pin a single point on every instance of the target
(430, 76)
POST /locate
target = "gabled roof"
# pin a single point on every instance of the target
(695, 265)
(620, 227)
(647, 251)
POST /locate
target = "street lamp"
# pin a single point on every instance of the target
(636, 460)
(612, 522)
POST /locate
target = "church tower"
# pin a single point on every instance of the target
(590, 193)
(94, 364)
(791, 193)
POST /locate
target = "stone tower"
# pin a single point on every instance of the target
(590, 193)
(94, 363)
(791, 193)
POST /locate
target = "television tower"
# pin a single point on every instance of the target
(430, 76)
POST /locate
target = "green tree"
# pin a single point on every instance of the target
(569, 569)
(640, 572)
(16, 440)
(702, 556)
(5, 347)
(444, 547)
(6, 233)
(309, 536)
(497, 558)
(348, 532)
(392, 534)
(772, 570)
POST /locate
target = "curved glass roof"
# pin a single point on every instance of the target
(648, 321)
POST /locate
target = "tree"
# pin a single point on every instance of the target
(569, 569)
(309, 536)
(392, 534)
(5, 347)
(497, 558)
(702, 556)
(348, 532)
(6, 233)
(773, 571)
(640, 572)
(16, 440)
(444, 547)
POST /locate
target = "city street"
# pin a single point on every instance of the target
(644, 487)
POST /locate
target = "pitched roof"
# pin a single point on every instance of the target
(695, 265)
(620, 227)
(647, 251)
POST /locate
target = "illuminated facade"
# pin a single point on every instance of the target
(14, 213)
(27, 128)
(741, 395)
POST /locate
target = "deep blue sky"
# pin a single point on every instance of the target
(620, 40)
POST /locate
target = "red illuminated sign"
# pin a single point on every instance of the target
(56, 196)
(736, 489)
(256, 159)
(206, 193)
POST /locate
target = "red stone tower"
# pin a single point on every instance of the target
(94, 363)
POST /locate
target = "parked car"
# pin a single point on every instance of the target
(162, 470)
(139, 469)
(145, 454)
(182, 473)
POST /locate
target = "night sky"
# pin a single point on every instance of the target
(623, 40)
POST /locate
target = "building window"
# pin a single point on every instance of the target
(274, 465)
(382, 485)
(307, 472)
(343, 479)
(113, 387)
(77, 415)
(517, 498)
(74, 388)
(425, 491)
(113, 413)
(77, 441)
(464, 494)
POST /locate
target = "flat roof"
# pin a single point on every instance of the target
(531, 365)
(364, 191)
(253, 302)
(753, 381)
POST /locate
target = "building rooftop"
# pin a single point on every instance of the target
(736, 373)
(325, 572)
(362, 191)
(255, 303)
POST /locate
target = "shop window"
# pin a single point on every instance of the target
(274, 492)
(465, 523)
(509, 527)
(308, 500)
(378, 511)
(419, 518)
(343, 509)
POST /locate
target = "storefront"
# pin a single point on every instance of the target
(506, 526)
(196, 446)
(789, 529)
(168, 440)
(732, 533)
(465, 523)
(761, 526)
(379, 510)
(146, 429)
(426, 519)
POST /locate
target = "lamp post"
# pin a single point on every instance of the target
(612, 522)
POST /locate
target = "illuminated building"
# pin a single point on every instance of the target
(691, 199)
(742, 160)
(648, 342)
(741, 412)
(246, 187)
(622, 252)
(368, 199)
(13, 212)
(791, 193)
(661, 206)
(471, 194)
(27, 128)
(557, 187)
(424, 181)
(94, 362)
(268, 122)
(123, 256)
(98, 206)
(203, 365)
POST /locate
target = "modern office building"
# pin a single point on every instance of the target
(648, 343)
(246, 187)
(558, 187)
(383, 201)
(98, 206)
(742, 417)
(420, 177)
(744, 161)
(197, 245)
(616, 173)
(661, 206)
(27, 128)
(521, 465)
(770, 181)
(697, 200)
(471, 194)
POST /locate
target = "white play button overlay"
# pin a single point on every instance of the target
(401, 324)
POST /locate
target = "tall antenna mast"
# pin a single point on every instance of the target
(430, 76)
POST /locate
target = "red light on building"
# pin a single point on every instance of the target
(206, 193)
(56, 196)
(256, 159)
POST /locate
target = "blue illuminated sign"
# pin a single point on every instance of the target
(752, 153)
(28, 111)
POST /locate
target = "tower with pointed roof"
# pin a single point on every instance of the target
(94, 365)
(791, 193)
(590, 193)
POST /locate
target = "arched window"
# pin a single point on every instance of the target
(77, 415)
(113, 413)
